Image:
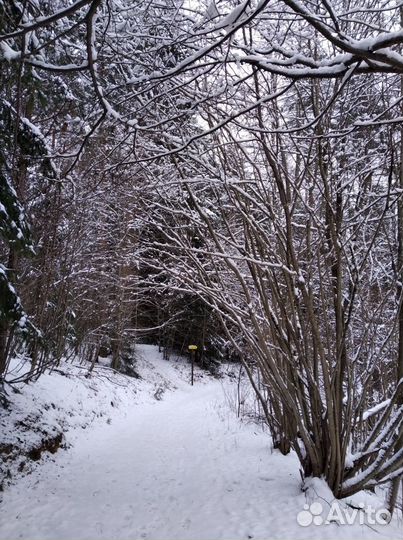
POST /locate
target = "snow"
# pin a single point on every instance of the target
(8, 53)
(233, 17)
(374, 410)
(168, 461)
(212, 11)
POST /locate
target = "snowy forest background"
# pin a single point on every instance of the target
(228, 174)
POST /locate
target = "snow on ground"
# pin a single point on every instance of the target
(43, 413)
(46, 414)
(172, 462)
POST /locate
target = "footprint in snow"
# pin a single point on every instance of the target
(186, 523)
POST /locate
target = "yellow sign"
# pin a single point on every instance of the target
(192, 347)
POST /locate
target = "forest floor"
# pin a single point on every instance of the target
(168, 461)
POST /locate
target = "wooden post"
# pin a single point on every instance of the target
(192, 349)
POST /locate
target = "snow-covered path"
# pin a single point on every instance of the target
(180, 468)
(165, 471)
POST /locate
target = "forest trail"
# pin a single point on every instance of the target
(180, 468)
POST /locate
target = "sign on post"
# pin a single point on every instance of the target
(192, 349)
